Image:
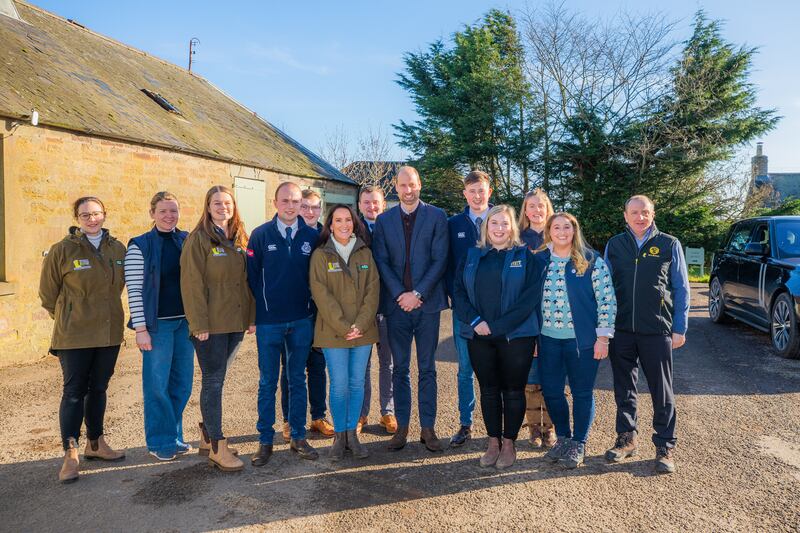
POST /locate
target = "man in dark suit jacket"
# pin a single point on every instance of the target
(410, 246)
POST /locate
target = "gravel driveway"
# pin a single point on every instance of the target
(738, 460)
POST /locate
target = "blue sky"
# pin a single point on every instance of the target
(312, 66)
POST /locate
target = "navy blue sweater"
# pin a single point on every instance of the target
(278, 275)
(532, 238)
(463, 236)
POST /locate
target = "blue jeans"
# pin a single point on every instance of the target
(167, 372)
(466, 389)
(423, 329)
(214, 356)
(560, 359)
(295, 338)
(315, 368)
(386, 394)
(346, 367)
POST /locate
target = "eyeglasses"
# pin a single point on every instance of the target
(93, 214)
(311, 207)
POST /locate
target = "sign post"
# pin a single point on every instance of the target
(696, 256)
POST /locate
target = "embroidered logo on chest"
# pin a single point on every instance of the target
(334, 267)
(81, 264)
(516, 264)
(272, 247)
(462, 235)
(306, 248)
(218, 251)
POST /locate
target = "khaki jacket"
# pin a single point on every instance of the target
(346, 294)
(81, 288)
(216, 296)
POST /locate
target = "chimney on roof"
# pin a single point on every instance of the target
(759, 162)
(8, 9)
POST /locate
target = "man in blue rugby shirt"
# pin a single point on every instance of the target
(464, 229)
(652, 287)
(278, 256)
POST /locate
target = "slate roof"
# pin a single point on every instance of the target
(81, 81)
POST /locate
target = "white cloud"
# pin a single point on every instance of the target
(284, 57)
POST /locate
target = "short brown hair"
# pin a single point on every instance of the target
(285, 184)
(367, 189)
(476, 176)
(308, 193)
(82, 200)
(161, 196)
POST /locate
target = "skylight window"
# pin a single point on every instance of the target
(160, 100)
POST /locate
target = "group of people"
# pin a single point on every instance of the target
(534, 306)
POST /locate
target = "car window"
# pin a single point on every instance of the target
(761, 235)
(787, 234)
(740, 237)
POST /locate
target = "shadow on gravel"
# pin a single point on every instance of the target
(145, 491)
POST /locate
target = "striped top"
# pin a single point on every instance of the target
(134, 279)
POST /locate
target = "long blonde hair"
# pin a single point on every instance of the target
(483, 241)
(580, 251)
(524, 223)
(236, 231)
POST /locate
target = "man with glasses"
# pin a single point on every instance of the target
(311, 208)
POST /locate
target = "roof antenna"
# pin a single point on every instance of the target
(193, 42)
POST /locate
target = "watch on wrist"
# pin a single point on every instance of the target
(417, 294)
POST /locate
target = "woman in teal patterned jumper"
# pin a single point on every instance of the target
(577, 310)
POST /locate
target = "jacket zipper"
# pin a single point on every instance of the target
(635, 271)
(264, 290)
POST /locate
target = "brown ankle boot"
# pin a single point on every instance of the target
(98, 449)
(536, 435)
(204, 446)
(492, 452)
(549, 436)
(399, 439)
(69, 470)
(508, 454)
(221, 457)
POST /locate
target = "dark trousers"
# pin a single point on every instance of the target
(501, 367)
(559, 360)
(423, 328)
(87, 372)
(654, 352)
(317, 383)
(213, 356)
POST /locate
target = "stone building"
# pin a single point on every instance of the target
(771, 189)
(83, 114)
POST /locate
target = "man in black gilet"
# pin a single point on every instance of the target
(652, 287)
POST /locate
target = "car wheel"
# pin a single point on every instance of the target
(783, 328)
(716, 305)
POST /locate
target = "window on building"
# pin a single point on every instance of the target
(160, 100)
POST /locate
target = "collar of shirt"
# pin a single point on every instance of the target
(640, 242)
(282, 228)
(474, 216)
(403, 209)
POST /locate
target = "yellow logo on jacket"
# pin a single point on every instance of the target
(334, 267)
(81, 264)
(654, 250)
(218, 251)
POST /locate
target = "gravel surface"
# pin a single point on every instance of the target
(738, 460)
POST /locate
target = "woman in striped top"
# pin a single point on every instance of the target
(153, 274)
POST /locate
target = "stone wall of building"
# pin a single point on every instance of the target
(43, 170)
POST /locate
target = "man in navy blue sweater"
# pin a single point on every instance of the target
(464, 229)
(278, 258)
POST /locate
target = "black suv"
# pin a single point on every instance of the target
(755, 279)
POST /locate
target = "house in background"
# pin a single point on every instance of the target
(772, 188)
(83, 114)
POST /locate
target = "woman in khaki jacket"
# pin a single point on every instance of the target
(81, 285)
(345, 286)
(219, 308)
